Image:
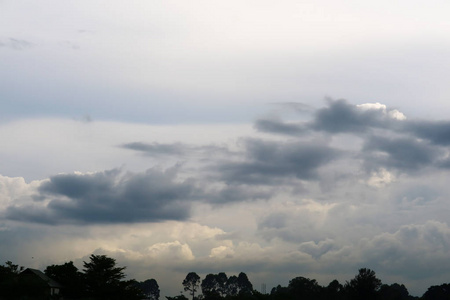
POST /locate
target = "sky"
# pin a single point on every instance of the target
(279, 139)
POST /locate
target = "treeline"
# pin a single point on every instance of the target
(216, 286)
(102, 279)
(364, 286)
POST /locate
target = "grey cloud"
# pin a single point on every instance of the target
(177, 149)
(269, 162)
(158, 149)
(69, 44)
(338, 116)
(417, 194)
(76, 186)
(417, 144)
(297, 106)
(238, 193)
(444, 163)
(278, 126)
(342, 117)
(275, 220)
(84, 31)
(404, 154)
(30, 214)
(316, 250)
(16, 44)
(397, 252)
(227, 236)
(109, 197)
(291, 226)
(290, 233)
(437, 132)
(87, 118)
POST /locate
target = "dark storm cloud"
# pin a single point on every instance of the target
(444, 163)
(30, 214)
(111, 197)
(408, 145)
(437, 132)
(268, 162)
(338, 116)
(404, 154)
(342, 117)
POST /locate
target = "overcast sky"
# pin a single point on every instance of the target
(280, 139)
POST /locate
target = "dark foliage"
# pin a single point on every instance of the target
(245, 287)
(150, 289)
(279, 293)
(394, 292)
(217, 286)
(301, 288)
(179, 297)
(191, 283)
(365, 285)
(69, 277)
(437, 292)
(103, 280)
(9, 281)
(334, 290)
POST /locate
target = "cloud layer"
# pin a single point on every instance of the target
(181, 136)
(108, 197)
(317, 192)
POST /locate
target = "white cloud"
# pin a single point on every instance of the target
(368, 106)
(380, 178)
(171, 251)
(14, 190)
(222, 252)
(391, 113)
(395, 114)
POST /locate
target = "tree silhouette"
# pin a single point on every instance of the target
(9, 285)
(365, 285)
(191, 283)
(437, 292)
(215, 285)
(279, 293)
(304, 288)
(179, 297)
(150, 288)
(244, 285)
(394, 292)
(69, 276)
(334, 290)
(103, 279)
(232, 285)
